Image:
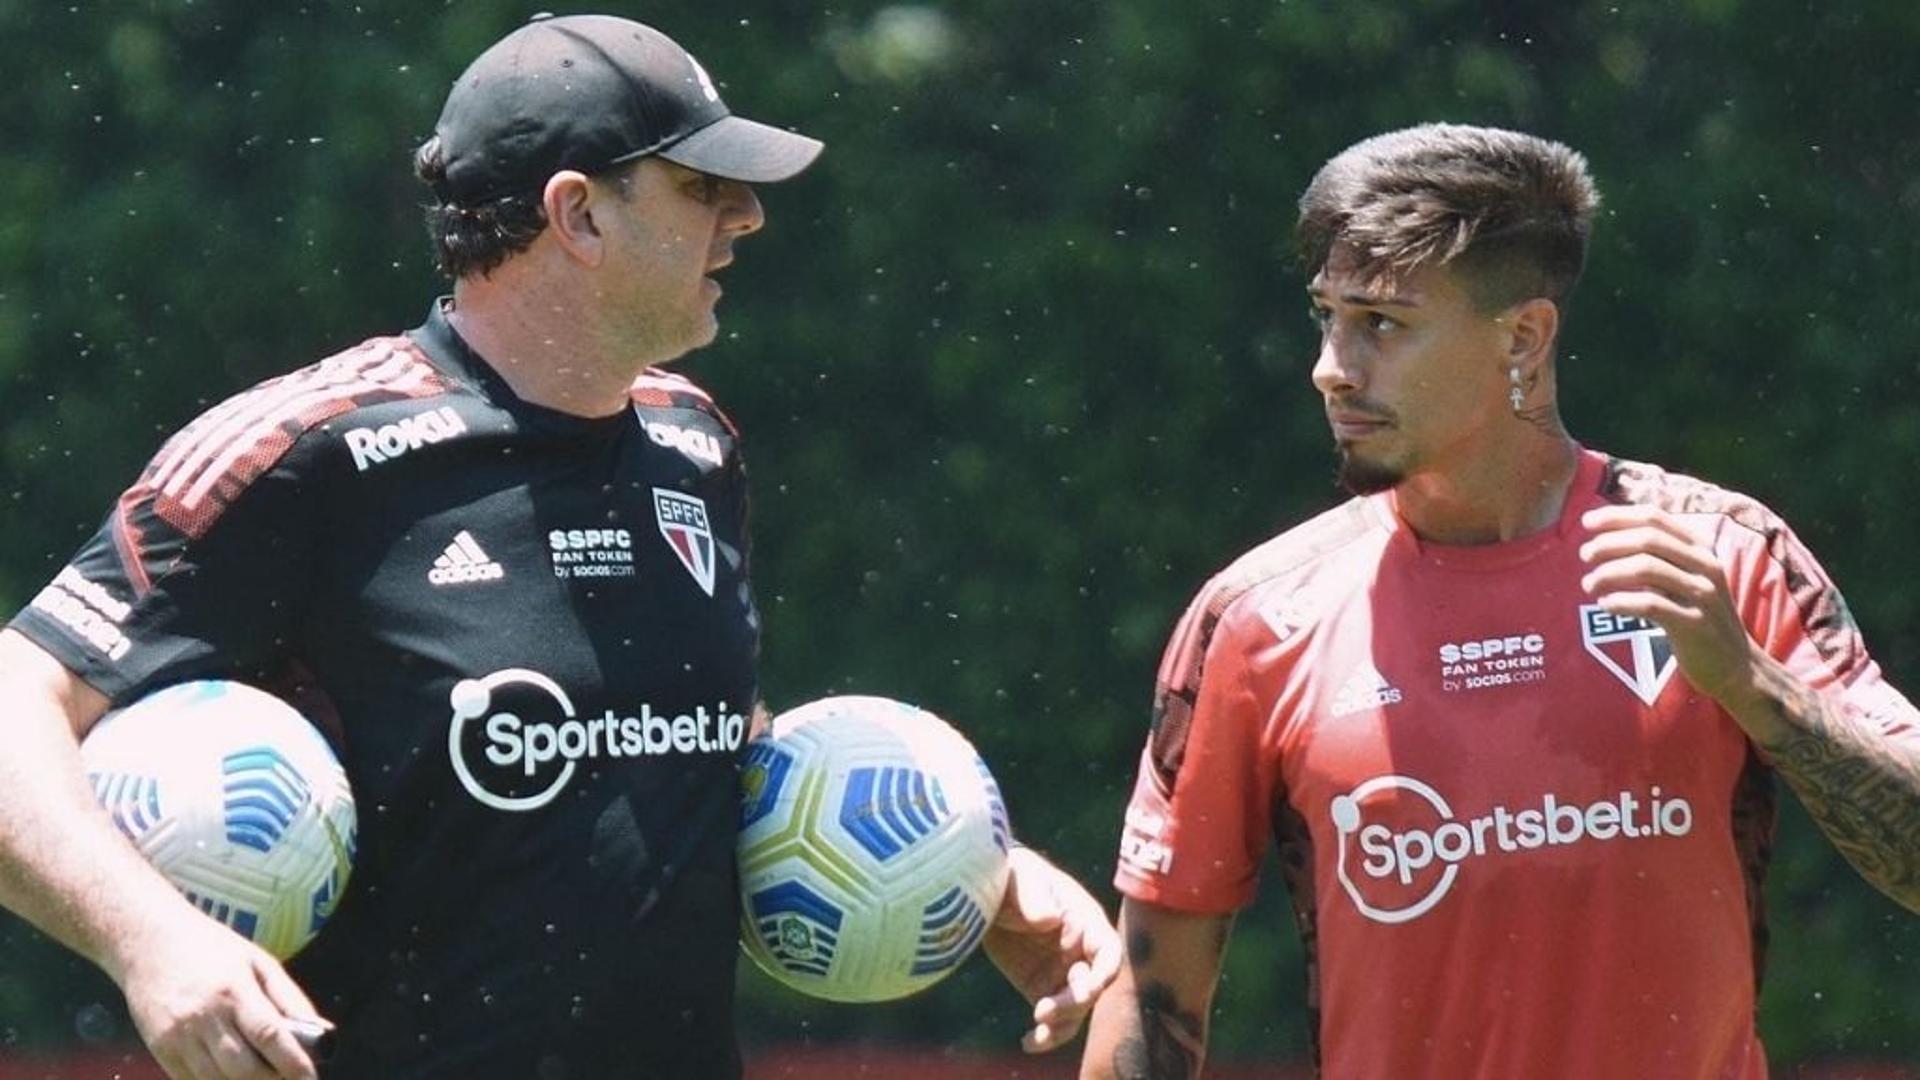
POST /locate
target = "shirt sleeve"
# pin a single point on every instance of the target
(202, 568)
(1797, 614)
(1198, 822)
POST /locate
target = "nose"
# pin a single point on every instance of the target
(1334, 373)
(743, 213)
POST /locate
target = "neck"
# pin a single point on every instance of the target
(1502, 493)
(549, 350)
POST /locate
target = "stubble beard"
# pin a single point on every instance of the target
(1361, 476)
(667, 336)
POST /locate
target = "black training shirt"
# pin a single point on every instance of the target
(531, 639)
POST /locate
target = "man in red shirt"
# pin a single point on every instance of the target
(1511, 713)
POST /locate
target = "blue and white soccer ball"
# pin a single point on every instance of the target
(873, 849)
(237, 799)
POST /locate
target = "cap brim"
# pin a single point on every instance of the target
(745, 150)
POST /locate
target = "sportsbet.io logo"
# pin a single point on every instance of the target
(515, 739)
(1413, 846)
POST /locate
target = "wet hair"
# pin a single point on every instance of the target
(1510, 213)
(473, 240)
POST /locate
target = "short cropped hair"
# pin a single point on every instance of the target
(1509, 212)
(473, 240)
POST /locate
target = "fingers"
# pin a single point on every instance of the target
(1041, 1038)
(1095, 938)
(280, 989)
(1655, 607)
(1648, 574)
(1685, 552)
(273, 1045)
(264, 1020)
(259, 1043)
(1625, 530)
(1646, 552)
(186, 1061)
(1058, 948)
(235, 1059)
(1058, 1016)
(298, 1020)
(1055, 1023)
(239, 1035)
(1109, 953)
(314, 1036)
(1088, 936)
(1640, 550)
(212, 1049)
(1644, 564)
(1608, 518)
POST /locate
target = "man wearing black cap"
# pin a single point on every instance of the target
(504, 559)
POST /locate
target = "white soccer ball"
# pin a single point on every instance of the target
(873, 849)
(237, 799)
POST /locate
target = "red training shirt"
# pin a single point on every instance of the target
(1519, 843)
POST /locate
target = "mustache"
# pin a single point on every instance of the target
(1371, 410)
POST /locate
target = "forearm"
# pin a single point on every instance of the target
(63, 867)
(1860, 786)
(1139, 1032)
(1152, 1022)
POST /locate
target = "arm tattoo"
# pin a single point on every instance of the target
(1166, 1043)
(1861, 787)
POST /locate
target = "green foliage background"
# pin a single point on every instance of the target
(1025, 358)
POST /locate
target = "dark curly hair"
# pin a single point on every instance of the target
(473, 240)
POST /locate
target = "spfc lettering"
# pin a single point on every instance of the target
(591, 553)
(1636, 650)
(684, 525)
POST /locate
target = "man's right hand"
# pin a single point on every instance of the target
(209, 1003)
(212, 1005)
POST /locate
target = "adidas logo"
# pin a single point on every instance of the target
(1366, 688)
(463, 561)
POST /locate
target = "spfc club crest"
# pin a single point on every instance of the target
(1635, 650)
(683, 521)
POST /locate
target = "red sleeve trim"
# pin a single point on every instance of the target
(211, 462)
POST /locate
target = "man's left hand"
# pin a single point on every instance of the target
(1644, 563)
(1053, 942)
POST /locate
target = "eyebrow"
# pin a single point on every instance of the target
(1364, 299)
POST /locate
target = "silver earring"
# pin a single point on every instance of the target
(1516, 395)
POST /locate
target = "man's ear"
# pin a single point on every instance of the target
(1531, 327)
(569, 199)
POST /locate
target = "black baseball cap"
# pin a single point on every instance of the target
(588, 92)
